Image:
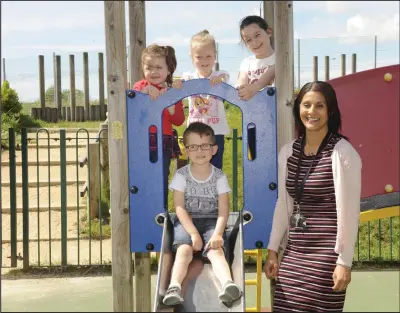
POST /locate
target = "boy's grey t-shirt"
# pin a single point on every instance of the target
(201, 197)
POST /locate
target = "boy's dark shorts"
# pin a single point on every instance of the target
(205, 227)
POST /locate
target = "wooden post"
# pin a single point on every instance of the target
(283, 27)
(343, 64)
(72, 93)
(48, 114)
(118, 157)
(42, 89)
(101, 86)
(354, 63)
(284, 80)
(137, 39)
(94, 179)
(315, 68)
(137, 43)
(68, 118)
(86, 84)
(326, 68)
(58, 89)
(269, 18)
(298, 64)
(104, 164)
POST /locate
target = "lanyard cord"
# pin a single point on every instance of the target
(299, 188)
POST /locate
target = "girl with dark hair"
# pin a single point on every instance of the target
(158, 65)
(317, 212)
(258, 70)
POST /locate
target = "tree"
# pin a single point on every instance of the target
(49, 95)
(9, 99)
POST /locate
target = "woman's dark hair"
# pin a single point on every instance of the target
(334, 116)
(166, 52)
(253, 19)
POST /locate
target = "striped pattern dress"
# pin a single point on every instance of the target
(305, 274)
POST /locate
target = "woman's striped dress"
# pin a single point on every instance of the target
(305, 274)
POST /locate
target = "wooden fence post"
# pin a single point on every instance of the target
(86, 84)
(326, 68)
(137, 43)
(354, 63)
(42, 89)
(343, 64)
(101, 87)
(315, 68)
(58, 89)
(118, 157)
(72, 93)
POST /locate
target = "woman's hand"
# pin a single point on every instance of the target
(271, 265)
(341, 277)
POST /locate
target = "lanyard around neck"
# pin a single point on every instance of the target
(299, 189)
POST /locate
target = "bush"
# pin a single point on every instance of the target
(9, 100)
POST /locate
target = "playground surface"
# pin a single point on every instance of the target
(369, 291)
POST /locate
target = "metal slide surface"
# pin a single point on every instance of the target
(201, 288)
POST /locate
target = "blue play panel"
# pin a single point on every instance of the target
(146, 178)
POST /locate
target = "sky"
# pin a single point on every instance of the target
(71, 27)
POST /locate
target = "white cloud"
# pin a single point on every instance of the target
(351, 7)
(334, 7)
(362, 27)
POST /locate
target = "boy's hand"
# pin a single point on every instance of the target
(171, 109)
(197, 243)
(215, 242)
(177, 84)
(217, 79)
(246, 92)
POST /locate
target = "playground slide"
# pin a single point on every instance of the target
(369, 103)
(201, 288)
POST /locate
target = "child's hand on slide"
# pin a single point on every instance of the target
(197, 243)
(215, 242)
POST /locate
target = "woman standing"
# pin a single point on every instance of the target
(317, 212)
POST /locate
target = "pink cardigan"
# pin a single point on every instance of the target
(346, 167)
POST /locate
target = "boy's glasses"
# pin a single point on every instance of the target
(204, 146)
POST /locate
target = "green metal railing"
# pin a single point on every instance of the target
(39, 213)
(378, 241)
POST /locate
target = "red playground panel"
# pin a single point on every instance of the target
(369, 102)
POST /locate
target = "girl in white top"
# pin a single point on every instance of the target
(207, 109)
(317, 212)
(258, 70)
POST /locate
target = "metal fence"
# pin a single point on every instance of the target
(54, 198)
(55, 201)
